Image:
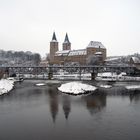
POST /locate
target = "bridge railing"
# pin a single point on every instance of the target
(56, 71)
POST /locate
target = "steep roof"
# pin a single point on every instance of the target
(135, 59)
(78, 52)
(95, 44)
(54, 38)
(66, 40)
(62, 53)
(71, 52)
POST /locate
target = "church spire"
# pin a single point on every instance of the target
(66, 39)
(66, 44)
(54, 37)
(53, 48)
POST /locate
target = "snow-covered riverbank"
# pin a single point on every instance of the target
(6, 86)
(132, 87)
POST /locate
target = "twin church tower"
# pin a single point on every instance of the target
(81, 56)
(54, 45)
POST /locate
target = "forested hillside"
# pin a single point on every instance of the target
(18, 58)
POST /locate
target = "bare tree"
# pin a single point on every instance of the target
(93, 60)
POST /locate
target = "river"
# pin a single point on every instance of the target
(32, 112)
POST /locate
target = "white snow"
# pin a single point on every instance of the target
(105, 86)
(40, 84)
(78, 52)
(71, 52)
(54, 40)
(65, 75)
(98, 53)
(95, 44)
(6, 86)
(113, 58)
(107, 74)
(76, 88)
(135, 59)
(62, 53)
(132, 87)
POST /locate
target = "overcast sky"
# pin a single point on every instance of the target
(28, 25)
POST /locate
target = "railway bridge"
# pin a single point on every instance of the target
(47, 72)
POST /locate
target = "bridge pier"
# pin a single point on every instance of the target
(6, 73)
(80, 73)
(50, 73)
(93, 75)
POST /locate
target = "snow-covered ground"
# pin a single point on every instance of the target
(84, 76)
(76, 88)
(108, 76)
(132, 87)
(6, 86)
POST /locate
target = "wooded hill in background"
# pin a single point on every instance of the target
(19, 58)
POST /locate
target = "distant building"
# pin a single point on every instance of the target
(135, 61)
(66, 55)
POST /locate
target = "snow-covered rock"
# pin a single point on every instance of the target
(76, 88)
(6, 86)
(40, 84)
(105, 86)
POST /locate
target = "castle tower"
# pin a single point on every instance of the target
(66, 43)
(53, 47)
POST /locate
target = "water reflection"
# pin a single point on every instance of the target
(53, 102)
(66, 106)
(135, 96)
(95, 103)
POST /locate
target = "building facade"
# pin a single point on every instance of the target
(81, 56)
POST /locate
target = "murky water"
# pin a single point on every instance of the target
(42, 113)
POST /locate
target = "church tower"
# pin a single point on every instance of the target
(66, 43)
(53, 47)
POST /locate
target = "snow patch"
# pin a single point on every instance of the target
(132, 87)
(107, 74)
(76, 88)
(95, 44)
(40, 84)
(105, 86)
(6, 86)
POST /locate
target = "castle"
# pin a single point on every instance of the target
(81, 56)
